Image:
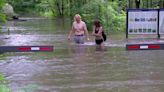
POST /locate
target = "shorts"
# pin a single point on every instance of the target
(79, 39)
(99, 41)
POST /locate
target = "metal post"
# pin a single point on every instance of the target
(158, 34)
(127, 15)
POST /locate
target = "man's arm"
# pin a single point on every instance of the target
(70, 33)
(86, 31)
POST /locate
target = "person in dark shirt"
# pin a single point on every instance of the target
(99, 34)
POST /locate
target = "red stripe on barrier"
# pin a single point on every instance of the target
(46, 49)
(133, 47)
(154, 46)
(24, 48)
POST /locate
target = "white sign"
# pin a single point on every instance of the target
(35, 48)
(161, 21)
(142, 21)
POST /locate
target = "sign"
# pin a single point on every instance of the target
(142, 21)
(161, 21)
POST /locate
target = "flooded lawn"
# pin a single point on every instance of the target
(76, 68)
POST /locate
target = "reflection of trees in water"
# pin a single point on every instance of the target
(82, 50)
(78, 50)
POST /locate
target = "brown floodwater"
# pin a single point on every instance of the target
(76, 68)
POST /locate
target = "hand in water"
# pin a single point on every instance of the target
(88, 39)
(69, 38)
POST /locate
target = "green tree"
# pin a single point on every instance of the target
(2, 16)
(146, 3)
(24, 6)
(108, 12)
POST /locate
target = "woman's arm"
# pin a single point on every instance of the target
(100, 31)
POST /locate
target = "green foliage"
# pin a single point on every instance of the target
(3, 85)
(1, 77)
(2, 16)
(24, 6)
(109, 13)
(146, 4)
(2, 3)
(43, 6)
(46, 8)
(4, 88)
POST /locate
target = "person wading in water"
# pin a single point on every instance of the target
(79, 29)
(99, 34)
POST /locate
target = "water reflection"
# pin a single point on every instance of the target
(101, 48)
(79, 49)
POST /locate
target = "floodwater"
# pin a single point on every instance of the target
(76, 68)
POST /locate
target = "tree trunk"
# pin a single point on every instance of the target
(151, 3)
(70, 7)
(147, 4)
(130, 4)
(137, 3)
(58, 7)
(62, 9)
(161, 3)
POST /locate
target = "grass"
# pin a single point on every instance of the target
(1, 77)
(3, 85)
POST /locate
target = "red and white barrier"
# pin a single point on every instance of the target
(26, 48)
(144, 46)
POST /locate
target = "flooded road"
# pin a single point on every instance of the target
(76, 68)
